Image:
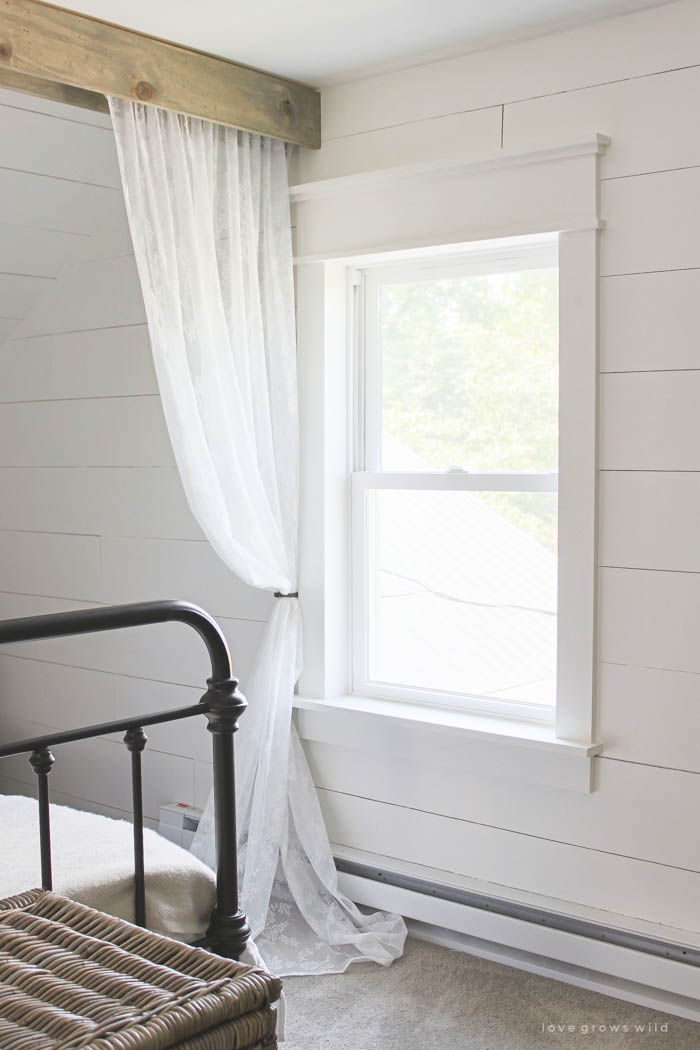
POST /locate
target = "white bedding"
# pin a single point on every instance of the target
(93, 863)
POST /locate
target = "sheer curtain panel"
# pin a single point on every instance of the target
(208, 208)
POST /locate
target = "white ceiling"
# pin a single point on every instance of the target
(321, 40)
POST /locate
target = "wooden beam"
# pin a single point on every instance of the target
(42, 43)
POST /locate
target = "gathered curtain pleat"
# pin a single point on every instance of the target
(208, 209)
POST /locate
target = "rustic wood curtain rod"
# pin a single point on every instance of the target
(72, 58)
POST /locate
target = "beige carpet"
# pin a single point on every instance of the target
(437, 999)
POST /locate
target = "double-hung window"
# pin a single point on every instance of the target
(455, 487)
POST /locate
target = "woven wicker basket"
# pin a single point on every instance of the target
(74, 979)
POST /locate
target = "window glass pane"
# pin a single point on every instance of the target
(469, 372)
(462, 590)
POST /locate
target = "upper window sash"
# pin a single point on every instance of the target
(482, 257)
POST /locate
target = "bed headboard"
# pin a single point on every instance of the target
(222, 705)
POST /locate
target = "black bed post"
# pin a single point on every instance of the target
(42, 761)
(228, 931)
(136, 740)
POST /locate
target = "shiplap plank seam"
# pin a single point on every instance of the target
(84, 603)
(55, 116)
(89, 602)
(650, 171)
(79, 397)
(650, 765)
(60, 178)
(642, 371)
(50, 532)
(642, 273)
(642, 470)
(648, 667)
(505, 103)
(462, 821)
(81, 667)
(648, 568)
(76, 331)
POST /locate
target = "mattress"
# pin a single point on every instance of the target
(92, 860)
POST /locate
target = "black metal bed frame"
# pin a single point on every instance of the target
(222, 704)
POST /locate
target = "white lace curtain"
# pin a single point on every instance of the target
(208, 209)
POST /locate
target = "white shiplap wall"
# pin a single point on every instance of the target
(92, 510)
(628, 848)
(91, 507)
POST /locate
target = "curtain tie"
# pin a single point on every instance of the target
(294, 594)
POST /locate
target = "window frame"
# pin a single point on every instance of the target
(381, 216)
(367, 477)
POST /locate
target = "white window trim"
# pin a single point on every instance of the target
(482, 745)
(325, 279)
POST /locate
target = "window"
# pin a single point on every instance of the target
(391, 268)
(455, 492)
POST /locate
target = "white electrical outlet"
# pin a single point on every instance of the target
(178, 823)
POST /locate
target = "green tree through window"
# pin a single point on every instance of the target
(470, 380)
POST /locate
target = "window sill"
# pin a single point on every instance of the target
(478, 745)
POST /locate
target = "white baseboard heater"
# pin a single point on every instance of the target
(523, 912)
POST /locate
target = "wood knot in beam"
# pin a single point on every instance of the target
(144, 90)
